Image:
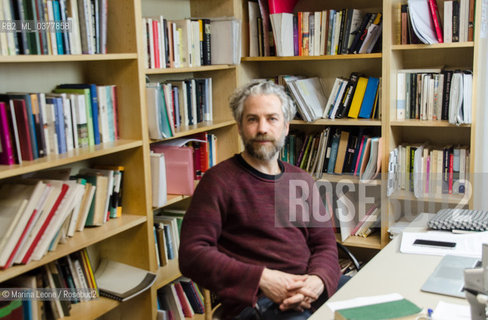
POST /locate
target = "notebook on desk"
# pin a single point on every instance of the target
(448, 276)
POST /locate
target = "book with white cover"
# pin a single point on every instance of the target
(312, 95)
(109, 273)
(158, 174)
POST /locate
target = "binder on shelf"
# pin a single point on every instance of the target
(179, 168)
(108, 276)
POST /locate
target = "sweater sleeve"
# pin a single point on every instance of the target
(324, 260)
(199, 255)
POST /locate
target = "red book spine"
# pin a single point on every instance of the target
(7, 154)
(39, 235)
(434, 13)
(451, 172)
(156, 44)
(300, 34)
(23, 129)
(10, 260)
(187, 311)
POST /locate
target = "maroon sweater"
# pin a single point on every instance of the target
(230, 233)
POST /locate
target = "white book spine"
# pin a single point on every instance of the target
(401, 89)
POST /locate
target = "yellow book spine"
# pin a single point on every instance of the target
(358, 98)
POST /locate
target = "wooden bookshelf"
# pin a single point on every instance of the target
(167, 274)
(339, 122)
(70, 157)
(68, 58)
(426, 123)
(92, 309)
(187, 70)
(468, 44)
(457, 55)
(315, 58)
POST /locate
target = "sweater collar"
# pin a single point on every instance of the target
(260, 174)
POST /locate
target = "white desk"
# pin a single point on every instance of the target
(392, 272)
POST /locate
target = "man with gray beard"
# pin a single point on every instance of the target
(234, 238)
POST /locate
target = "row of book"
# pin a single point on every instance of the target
(48, 207)
(167, 226)
(176, 103)
(368, 223)
(54, 27)
(326, 32)
(190, 42)
(175, 168)
(74, 272)
(428, 170)
(34, 125)
(341, 152)
(421, 21)
(435, 94)
(79, 277)
(179, 300)
(356, 97)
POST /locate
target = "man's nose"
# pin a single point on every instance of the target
(262, 126)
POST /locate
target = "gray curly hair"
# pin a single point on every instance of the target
(261, 87)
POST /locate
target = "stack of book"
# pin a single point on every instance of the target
(173, 104)
(341, 152)
(421, 21)
(435, 94)
(355, 97)
(429, 170)
(47, 208)
(34, 125)
(167, 226)
(326, 32)
(54, 27)
(190, 42)
(73, 273)
(180, 299)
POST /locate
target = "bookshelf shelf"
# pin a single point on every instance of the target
(315, 58)
(167, 274)
(92, 309)
(194, 69)
(372, 242)
(446, 198)
(426, 123)
(184, 131)
(80, 240)
(339, 122)
(396, 47)
(346, 178)
(69, 157)
(68, 57)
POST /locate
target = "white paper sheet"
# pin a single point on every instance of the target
(363, 301)
(451, 311)
(468, 245)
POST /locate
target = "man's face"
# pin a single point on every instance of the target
(263, 128)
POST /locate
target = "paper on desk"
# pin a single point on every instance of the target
(363, 301)
(468, 245)
(451, 311)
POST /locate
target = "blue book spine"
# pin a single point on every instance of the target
(61, 133)
(57, 18)
(369, 98)
(94, 105)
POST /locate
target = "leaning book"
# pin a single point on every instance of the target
(109, 275)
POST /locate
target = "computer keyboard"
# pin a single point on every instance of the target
(460, 219)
